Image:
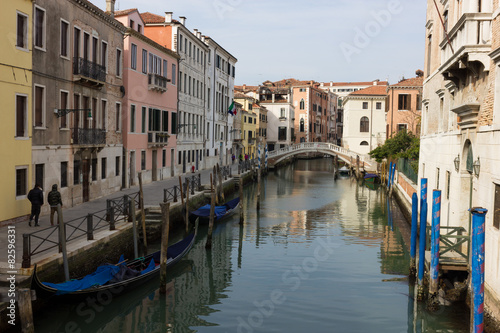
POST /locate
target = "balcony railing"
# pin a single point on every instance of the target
(89, 70)
(282, 118)
(157, 82)
(470, 36)
(158, 139)
(88, 136)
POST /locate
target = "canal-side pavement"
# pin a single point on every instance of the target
(153, 195)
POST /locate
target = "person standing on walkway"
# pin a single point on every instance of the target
(35, 196)
(54, 198)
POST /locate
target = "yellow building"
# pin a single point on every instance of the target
(15, 94)
(248, 124)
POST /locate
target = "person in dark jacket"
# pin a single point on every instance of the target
(35, 196)
(54, 198)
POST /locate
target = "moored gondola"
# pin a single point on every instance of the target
(114, 279)
(220, 212)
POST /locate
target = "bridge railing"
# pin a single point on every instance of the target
(313, 146)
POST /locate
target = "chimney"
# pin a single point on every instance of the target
(183, 20)
(110, 7)
(198, 34)
(203, 38)
(168, 17)
(244, 87)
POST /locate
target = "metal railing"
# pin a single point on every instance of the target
(404, 166)
(88, 136)
(40, 241)
(157, 82)
(89, 69)
(173, 194)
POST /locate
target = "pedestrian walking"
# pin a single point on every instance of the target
(35, 196)
(54, 198)
(233, 158)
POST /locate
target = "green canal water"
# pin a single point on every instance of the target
(320, 256)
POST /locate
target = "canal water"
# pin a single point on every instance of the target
(320, 256)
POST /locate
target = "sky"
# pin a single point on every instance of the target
(321, 40)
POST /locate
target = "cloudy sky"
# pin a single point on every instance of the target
(322, 40)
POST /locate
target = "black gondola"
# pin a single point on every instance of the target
(175, 253)
(203, 213)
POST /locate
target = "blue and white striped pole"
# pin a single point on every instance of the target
(389, 175)
(477, 262)
(265, 152)
(258, 155)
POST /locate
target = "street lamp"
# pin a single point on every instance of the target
(477, 166)
(456, 161)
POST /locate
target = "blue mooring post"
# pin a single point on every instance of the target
(436, 220)
(414, 230)
(389, 175)
(393, 173)
(421, 246)
(477, 262)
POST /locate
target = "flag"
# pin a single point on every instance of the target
(232, 109)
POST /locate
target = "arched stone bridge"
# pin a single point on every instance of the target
(276, 156)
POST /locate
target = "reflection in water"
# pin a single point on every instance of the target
(320, 255)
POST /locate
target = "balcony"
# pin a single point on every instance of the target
(88, 72)
(282, 118)
(470, 40)
(88, 136)
(157, 82)
(251, 141)
(157, 139)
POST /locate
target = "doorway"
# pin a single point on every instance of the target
(172, 162)
(154, 169)
(132, 168)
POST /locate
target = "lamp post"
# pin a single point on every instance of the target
(476, 167)
(456, 161)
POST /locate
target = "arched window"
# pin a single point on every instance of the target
(302, 104)
(302, 127)
(364, 124)
(363, 143)
(302, 140)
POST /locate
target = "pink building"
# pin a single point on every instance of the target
(404, 106)
(149, 121)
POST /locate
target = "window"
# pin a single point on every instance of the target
(363, 143)
(76, 42)
(302, 104)
(378, 105)
(165, 121)
(132, 24)
(419, 102)
(496, 213)
(164, 158)
(402, 127)
(76, 172)
(21, 181)
(174, 123)
(234, 72)
(139, 28)
(302, 127)
(144, 61)
(154, 120)
(404, 102)
(64, 38)
(118, 118)
(143, 160)
(21, 116)
(39, 33)
(174, 73)
(132, 118)
(104, 55)
(118, 62)
(64, 174)
(95, 43)
(117, 165)
(86, 39)
(64, 105)
(282, 133)
(104, 105)
(179, 157)
(103, 168)
(143, 120)
(364, 124)
(94, 169)
(133, 57)
(165, 66)
(22, 31)
(39, 105)
(365, 105)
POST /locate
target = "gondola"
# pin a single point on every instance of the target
(220, 212)
(113, 279)
(372, 178)
(344, 171)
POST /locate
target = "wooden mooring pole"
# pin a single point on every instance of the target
(187, 205)
(165, 215)
(241, 200)
(143, 214)
(211, 222)
(25, 310)
(62, 240)
(134, 227)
